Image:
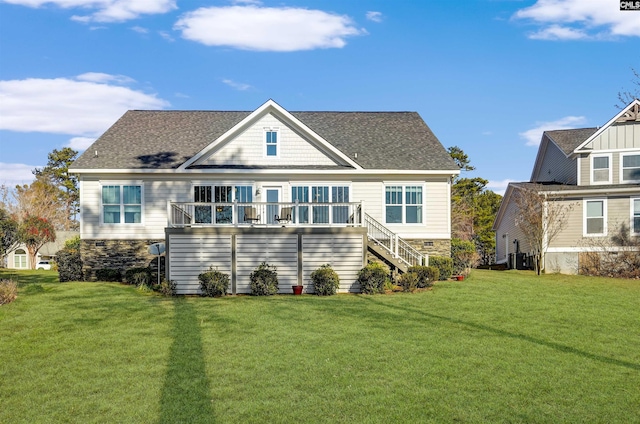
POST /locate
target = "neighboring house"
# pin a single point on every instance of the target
(597, 172)
(19, 257)
(295, 189)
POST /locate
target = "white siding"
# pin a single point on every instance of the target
(248, 148)
(193, 254)
(507, 233)
(344, 253)
(281, 251)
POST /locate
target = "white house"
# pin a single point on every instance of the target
(233, 189)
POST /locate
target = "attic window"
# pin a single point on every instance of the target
(271, 137)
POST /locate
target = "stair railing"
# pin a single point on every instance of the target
(391, 242)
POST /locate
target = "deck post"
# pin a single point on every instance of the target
(169, 213)
(395, 250)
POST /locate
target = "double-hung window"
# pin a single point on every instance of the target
(121, 204)
(595, 217)
(271, 138)
(403, 204)
(631, 168)
(635, 216)
(601, 169)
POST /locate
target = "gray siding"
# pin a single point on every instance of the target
(556, 166)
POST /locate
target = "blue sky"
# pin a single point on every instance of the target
(488, 75)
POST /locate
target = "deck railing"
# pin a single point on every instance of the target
(183, 214)
(395, 245)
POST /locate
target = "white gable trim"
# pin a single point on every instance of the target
(267, 107)
(581, 148)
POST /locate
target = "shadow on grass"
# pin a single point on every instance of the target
(186, 395)
(557, 346)
(26, 277)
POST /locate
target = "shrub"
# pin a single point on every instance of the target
(108, 274)
(73, 243)
(426, 275)
(325, 281)
(463, 253)
(373, 278)
(138, 276)
(444, 266)
(213, 283)
(264, 280)
(166, 288)
(408, 281)
(8, 291)
(69, 265)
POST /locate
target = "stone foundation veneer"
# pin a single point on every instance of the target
(439, 247)
(114, 254)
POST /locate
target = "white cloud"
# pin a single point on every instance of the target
(139, 29)
(577, 19)
(106, 10)
(534, 135)
(166, 35)
(101, 78)
(12, 174)
(374, 16)
(266, 28)
(69, 106)
(556, 32)
(80, 143)
(236, 85)
(499, 187)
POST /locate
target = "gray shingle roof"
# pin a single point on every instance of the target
(568, 140)
(166, 139)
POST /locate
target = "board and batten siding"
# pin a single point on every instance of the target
(620, 136)
(248, 148)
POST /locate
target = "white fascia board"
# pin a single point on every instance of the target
(444, 173)
(595, 191)
(262, 110)
(604, 127)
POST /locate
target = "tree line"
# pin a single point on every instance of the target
(30, 214)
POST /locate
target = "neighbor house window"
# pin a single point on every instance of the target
(635, 216)
(595, 217)
(601, 169)
(403, 204)
(272, 143)
(631, 168)
(121, 204)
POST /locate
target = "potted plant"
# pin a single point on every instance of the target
(297, 289)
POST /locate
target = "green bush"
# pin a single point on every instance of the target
(426, 275)
(166, 288)
(444, 266)
(73, 243)
(8, 291)
(69, 265)
(408, 281)
(213, 283)
(264, 280)
(138, 276)
(373, 278)
(325, 281)
(108, 274)
(463, 253)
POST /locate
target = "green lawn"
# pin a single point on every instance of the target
(498, 347)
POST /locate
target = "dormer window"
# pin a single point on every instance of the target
(601, 169)
(271, 138)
